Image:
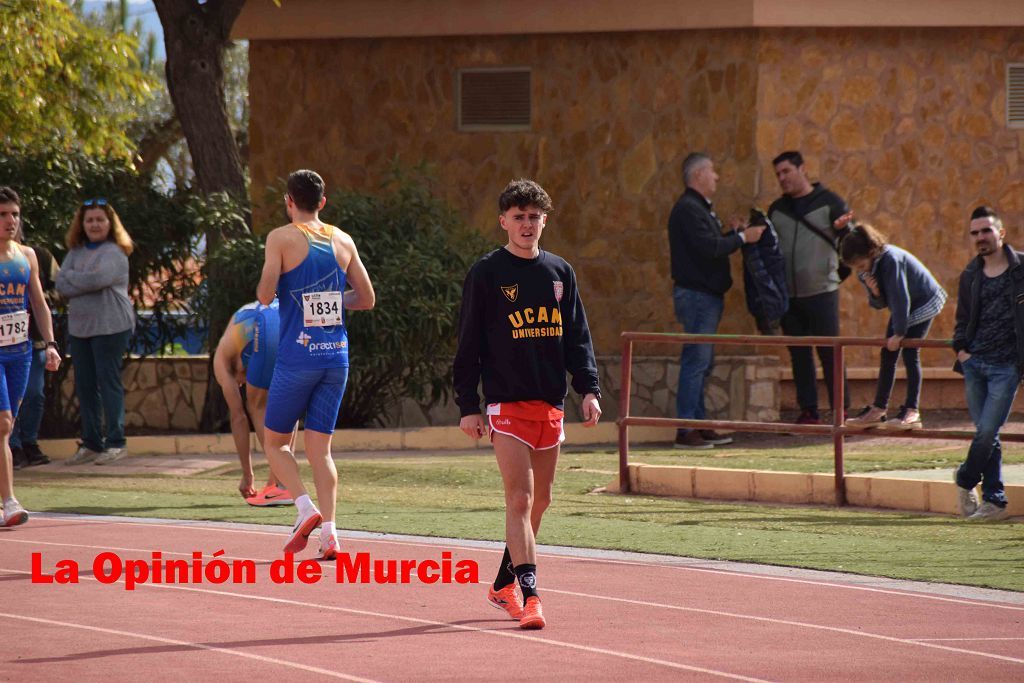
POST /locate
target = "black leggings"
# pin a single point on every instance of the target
(911, 361)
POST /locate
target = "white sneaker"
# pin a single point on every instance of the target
(988, 512)
(111, 454)
(14, 514)
(82, 456)
(967, 499)
(869, 417)
(328, 548)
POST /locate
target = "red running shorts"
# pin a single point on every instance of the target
(537, 424)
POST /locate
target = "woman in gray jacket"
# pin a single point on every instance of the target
(101, 319)
(896, 280)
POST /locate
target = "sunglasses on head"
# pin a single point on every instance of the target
(94, 202)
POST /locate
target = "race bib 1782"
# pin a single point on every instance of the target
(13, 328)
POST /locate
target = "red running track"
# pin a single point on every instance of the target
(645, 617)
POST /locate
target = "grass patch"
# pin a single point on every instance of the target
(459, 496)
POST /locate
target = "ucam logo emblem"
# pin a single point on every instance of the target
(303, 339)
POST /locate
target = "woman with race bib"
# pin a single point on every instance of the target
(19, 286)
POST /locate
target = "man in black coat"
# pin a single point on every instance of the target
(700, 270)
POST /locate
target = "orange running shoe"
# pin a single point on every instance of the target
(300, 534)
(272, 495)
(533, 615)
(507, 599)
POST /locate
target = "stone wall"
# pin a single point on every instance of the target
(614, 114)
(907, 124)
(740, 388)
(161, 394)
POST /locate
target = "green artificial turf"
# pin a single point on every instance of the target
(459, 495)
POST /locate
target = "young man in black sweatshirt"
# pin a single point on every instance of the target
(521, 327)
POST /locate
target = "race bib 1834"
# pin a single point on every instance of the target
(322, 309)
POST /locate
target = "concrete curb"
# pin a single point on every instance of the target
(418, 439)
(862, 490)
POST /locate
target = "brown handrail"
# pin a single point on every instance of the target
(837, 429)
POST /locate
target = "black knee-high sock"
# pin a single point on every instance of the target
(527, 575)
(506, 574)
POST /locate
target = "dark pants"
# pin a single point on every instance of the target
(911, 361)
(30, 415)
(990, 389)
(813, 316)
(97, 361)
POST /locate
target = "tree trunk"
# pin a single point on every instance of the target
(195, 37)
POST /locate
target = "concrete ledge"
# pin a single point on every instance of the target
(862, 490)
(414, 439)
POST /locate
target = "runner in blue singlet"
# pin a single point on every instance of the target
(308, 265)
(19, 286)
(246, 355)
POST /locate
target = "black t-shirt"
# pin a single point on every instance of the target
(995, 340)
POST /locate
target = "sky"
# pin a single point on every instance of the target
(137, 9)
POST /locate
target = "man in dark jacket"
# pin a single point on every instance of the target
(989, 345)
(809, 219)
(700, 270)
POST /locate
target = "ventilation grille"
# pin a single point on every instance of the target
(1015, 95)
(494, 99)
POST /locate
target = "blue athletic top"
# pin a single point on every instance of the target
(313, 333)
(254, 331)
(14, 277)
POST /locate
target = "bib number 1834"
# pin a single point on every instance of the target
(322, 309)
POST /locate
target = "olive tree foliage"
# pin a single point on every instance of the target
(68, 85)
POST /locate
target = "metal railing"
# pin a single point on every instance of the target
(837, 430)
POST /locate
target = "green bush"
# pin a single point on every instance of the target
(417, 253)
(52, 185)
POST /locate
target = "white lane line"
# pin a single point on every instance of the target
(183, 643)
(631, 563)
(925, 640)
(787, 622)
(643, 603)
(428, 622)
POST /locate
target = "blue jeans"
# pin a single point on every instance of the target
(98, 385)
(30, 416)
(699, 313)
(991, 389)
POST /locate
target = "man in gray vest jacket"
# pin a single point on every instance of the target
(809, 219)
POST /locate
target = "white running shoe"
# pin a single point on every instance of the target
(82, 456)
(14, 514)
(328, 548)
(111, 455)
(988, 512)
(967, 499)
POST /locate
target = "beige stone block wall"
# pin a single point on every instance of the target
(613, 116)
(907, 124)
(163, 394)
